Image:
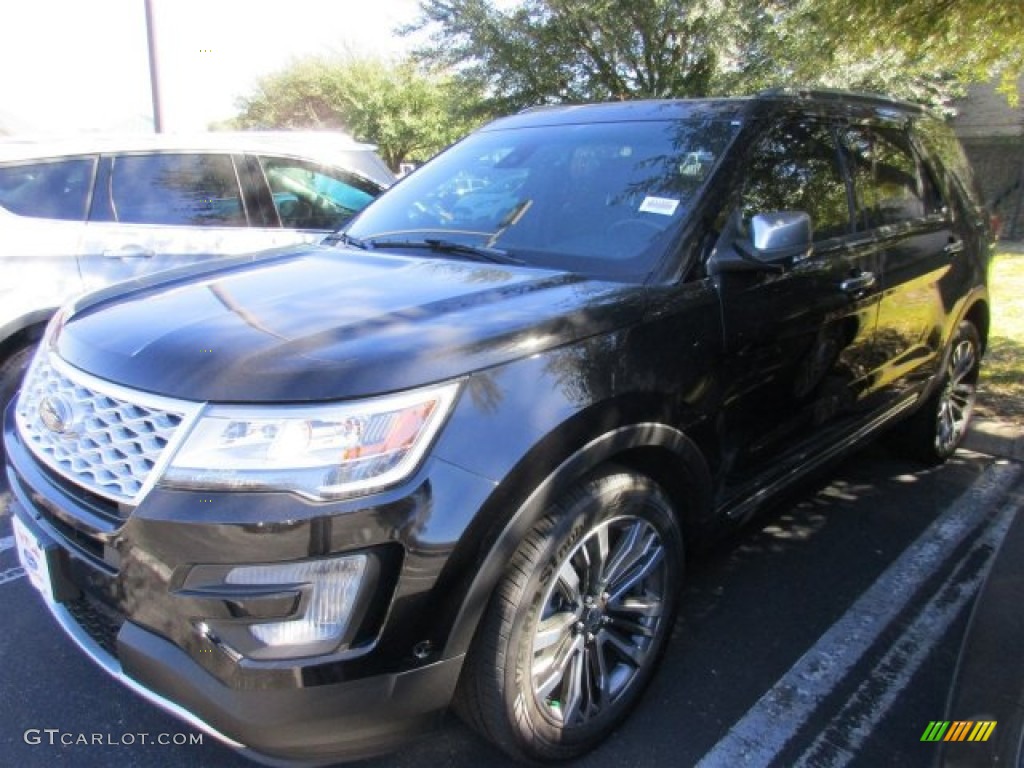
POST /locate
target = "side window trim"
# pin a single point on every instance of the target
(258, 191)
(91, 187)
(101, 208)
(835, 127)
(243, 198)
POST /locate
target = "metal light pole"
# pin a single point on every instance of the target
(154, 77)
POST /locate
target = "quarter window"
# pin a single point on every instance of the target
(173, 189)
(796, 168)
(52, 190)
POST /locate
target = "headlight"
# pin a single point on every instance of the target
(320, 451)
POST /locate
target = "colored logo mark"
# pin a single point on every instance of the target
(958, 730)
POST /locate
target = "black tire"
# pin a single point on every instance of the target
(938, 427)
(605, 628)
(12, 371)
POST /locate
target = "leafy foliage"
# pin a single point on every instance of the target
(408, 113)
(509, 55)
(544, 51)
(923, 50)
(1001, 390)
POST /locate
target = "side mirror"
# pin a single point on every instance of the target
(776, 239)
(781, 235)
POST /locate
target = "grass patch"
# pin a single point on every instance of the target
(1001, 389)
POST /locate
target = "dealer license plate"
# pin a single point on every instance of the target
(33, 558)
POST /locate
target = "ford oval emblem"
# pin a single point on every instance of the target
(56, 414)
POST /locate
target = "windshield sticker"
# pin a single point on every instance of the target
(664, 206)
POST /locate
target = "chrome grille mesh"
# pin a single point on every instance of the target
(110, 445)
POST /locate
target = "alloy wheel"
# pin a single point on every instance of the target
(958, 395)
(600, 620)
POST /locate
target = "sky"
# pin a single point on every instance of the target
(71, 66)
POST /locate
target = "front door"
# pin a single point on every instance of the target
(800, 361)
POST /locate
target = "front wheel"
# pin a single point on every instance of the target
(578, 624)
(12, 371)
(935, 432)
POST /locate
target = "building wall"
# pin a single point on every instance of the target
(992, 133)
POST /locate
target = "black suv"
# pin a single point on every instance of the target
(307, 500)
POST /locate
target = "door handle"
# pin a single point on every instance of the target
(861, 282)
(954, 247)
(130, 252)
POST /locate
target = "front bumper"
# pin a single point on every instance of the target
(351, 720)
(124, 604)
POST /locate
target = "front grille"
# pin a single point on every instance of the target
(100, 623)
(91, 502)
(100, 437)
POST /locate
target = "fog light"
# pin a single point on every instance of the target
(334, 586)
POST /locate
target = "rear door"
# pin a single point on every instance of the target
(799, 340)
(900, 205)
(157, 210)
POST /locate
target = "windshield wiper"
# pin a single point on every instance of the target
(472, 252)
(511, 219)
(340, 237)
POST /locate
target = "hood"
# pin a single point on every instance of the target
(323, 324)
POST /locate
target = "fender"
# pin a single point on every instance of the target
(974, 303)
(693, 475)
(976, 308)
(32, 324)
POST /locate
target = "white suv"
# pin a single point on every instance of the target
(79, 214)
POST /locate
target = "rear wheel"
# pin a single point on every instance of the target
(935, 432)
(578, 624)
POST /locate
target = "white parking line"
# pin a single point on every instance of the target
(762, 733)
(11, 574)
(839, 742)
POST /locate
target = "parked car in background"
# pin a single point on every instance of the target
(79, 214)
(459, 451)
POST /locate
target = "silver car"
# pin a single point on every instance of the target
(82, 213)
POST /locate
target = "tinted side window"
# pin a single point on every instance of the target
(171, 189)
(888, 186)
(796, 168)
(53, 190)
(940, 142)
(310, 196)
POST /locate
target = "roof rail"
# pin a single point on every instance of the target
(837, 94)
(541, 108)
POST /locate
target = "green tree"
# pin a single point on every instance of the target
(924, 50)
(543, 51)
(409, 113)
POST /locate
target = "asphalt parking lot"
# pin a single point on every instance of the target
(825, 633)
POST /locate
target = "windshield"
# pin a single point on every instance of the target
(603, 198)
